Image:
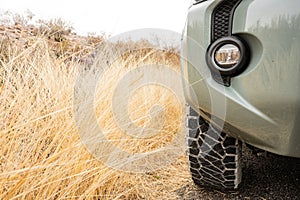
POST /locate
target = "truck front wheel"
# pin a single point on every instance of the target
(214, 157)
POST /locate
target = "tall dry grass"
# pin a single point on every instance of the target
(41, 154)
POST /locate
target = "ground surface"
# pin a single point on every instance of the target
(266, 176)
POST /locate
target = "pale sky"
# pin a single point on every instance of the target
(109, 16)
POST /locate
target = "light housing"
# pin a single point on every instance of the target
(228, 56)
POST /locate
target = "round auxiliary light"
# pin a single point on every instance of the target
(228, 56)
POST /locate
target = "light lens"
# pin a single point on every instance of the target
(227, 56)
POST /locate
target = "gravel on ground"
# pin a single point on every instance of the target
(265, 176)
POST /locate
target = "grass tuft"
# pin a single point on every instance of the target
(41, 154)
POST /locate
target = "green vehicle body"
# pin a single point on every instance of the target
(261, 107)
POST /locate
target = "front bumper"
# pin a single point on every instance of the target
(262, 105)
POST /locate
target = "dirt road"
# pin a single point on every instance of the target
(266, 176)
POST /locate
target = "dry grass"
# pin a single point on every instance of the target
(41, 154)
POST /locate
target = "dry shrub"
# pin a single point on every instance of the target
(41, 155)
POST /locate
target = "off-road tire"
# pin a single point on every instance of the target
(214, 157)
